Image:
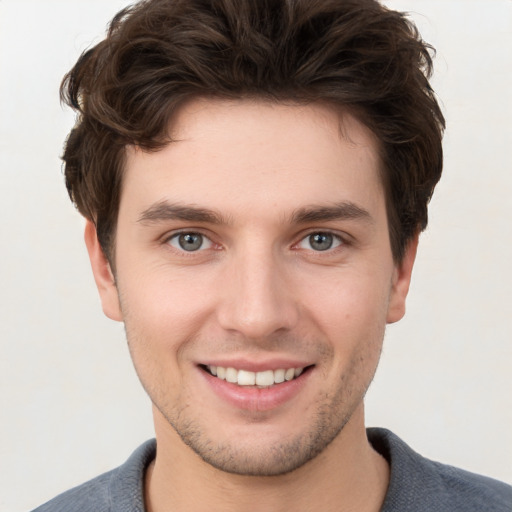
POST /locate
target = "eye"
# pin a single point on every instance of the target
(190, 242)
(320, 241)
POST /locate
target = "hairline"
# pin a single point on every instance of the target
(341, 109)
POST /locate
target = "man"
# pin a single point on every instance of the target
(254, 177)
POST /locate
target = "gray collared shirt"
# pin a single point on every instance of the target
(416, 484)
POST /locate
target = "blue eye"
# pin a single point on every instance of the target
(190, 242)
(320, 241)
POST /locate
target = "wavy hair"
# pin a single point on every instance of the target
(353, 54)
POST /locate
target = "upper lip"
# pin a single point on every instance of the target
(252, 365)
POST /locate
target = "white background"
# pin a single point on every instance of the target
(71, 405)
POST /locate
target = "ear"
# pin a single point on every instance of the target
(103, 274)
(401, 282)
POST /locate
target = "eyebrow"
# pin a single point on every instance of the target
(344, 210)
(165, 211)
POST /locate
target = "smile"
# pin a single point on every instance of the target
(261, 379)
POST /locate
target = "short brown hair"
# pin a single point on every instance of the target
(355, 54)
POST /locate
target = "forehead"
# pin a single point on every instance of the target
(242, 155)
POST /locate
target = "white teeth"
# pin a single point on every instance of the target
(289, 374)
(246, 378)
(264, 379)
(278, 376)
(231, 375)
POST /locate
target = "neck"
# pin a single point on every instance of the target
(348, 475)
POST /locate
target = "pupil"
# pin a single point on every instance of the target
(321, 241)
(190, 241)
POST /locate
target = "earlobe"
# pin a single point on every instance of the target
(401, 282)
(103, 275)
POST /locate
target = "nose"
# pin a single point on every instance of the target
(257, 298)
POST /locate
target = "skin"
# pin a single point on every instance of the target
(257, 293)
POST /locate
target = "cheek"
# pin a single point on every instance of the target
(168, 300)
(352, 317)
(351, 302)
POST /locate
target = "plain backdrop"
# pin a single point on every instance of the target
(71, 405)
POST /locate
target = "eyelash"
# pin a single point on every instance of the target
(337, 240)
(175, 236)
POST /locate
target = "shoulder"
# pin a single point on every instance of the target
(92, 495)
(418, 484)
(121, 489)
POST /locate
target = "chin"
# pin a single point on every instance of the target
(257, 449)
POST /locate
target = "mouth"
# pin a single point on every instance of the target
(262, 379)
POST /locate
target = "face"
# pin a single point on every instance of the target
(255, 278)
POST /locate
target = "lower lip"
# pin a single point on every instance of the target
(257, 399)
